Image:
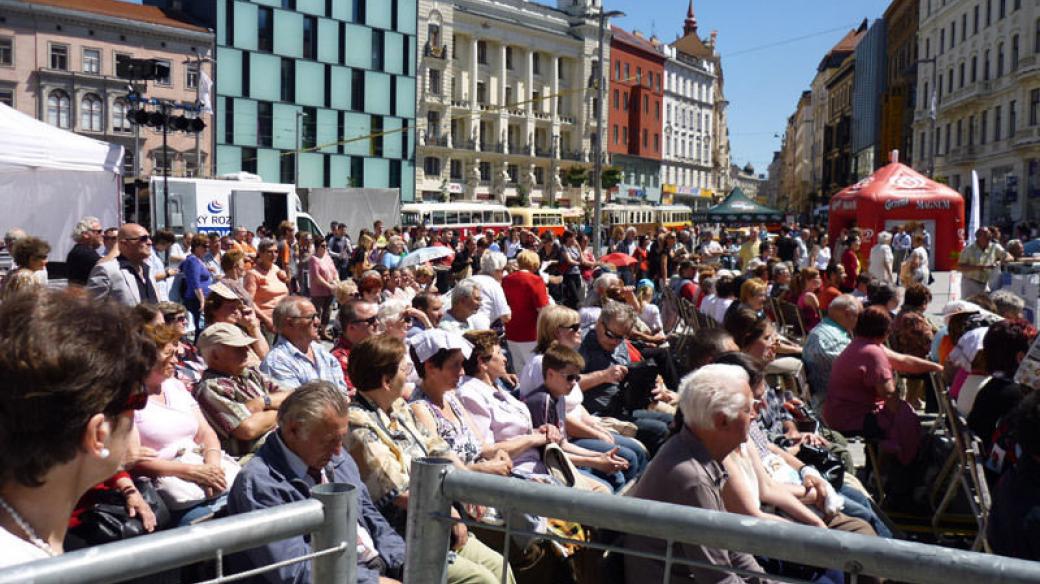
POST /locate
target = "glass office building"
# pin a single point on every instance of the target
(334, 79)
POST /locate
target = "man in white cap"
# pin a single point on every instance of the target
(240, 402)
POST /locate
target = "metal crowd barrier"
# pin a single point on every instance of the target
(435, 486)
(330, 516)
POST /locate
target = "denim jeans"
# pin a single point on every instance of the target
(858, 505)
(628, 448)
(199, 511)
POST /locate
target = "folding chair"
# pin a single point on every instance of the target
(792, 318)
(968, 473)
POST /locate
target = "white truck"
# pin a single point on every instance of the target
(217, 205)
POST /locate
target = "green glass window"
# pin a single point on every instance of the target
(288, 33)
(377, 93)
(264, 70)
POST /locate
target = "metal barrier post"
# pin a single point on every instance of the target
(340, 503)
(428, 537)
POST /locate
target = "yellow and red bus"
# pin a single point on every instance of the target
(538, 220)
(464, 218)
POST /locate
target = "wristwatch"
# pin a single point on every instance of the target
(267, 402)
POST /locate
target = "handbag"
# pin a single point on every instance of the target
(558, 465)
(108, 520)
(826, 462)
(180, 494)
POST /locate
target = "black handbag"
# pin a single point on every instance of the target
(826, 462)
(108, 520)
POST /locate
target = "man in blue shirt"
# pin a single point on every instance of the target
(298, 357)
(304, 452)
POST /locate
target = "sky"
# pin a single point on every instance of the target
(769, 49)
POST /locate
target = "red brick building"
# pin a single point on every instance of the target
(634, 103)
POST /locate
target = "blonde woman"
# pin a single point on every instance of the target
(359, 263)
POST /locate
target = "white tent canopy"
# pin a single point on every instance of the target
(50, 178)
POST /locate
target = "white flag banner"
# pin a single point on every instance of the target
(975, 215)
(205, 88)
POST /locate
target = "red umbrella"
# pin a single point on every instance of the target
(621, 260)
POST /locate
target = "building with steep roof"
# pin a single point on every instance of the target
(690, 169)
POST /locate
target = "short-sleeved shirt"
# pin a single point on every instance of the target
(912, 334)
(170, 424)
(79, 262)
(826, 295)
(498, 416)
(289, 366)
(822, 347)
(600, 400)
(852, 391)
(546, 409)
(493, 304)
(526, 294)
(222, 399)
(973, 255)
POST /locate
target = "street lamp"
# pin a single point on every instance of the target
(598, 165)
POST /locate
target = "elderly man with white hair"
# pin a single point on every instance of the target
(493, 304)
(298, 357)
(464, 314)
(594, 303)
(717, 408)
(82, 257)
(882, 259)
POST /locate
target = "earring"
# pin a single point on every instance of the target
(104, 453)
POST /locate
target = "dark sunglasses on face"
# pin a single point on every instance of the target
(572, 327)
(574, 378)
(141, 239)
(367, 321)
(612, 335)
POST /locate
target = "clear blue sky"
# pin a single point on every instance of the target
(762, 85)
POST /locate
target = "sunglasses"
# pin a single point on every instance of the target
(307, 317)
(574, 378)
(142, 239)
(572, 327)
(368, 321)
(612, 335)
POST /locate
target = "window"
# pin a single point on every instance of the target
(624, 135)
(1014, 52)
(162, 165)
(646, 104)
(91, 62)
(310, 37)
(657, 110)
(60, 57)
(358, 14)
(377, 50)
(645, 136)
(1034, 107)
(265, 28)
(964, 26)
(975, 21)
(960, 77)
(513, 171)
(628, 72)
(432, 166)
(288, 79)
(229, 120)
(191, 75)
(164, 80)
(1036, 37)
(960, 130)
(657, 142)
(974, 68)
(953, 34)
(509, 58)
(949, 81)
(985, 67)
(481, 92)
(984, 117)
(1012, 118)
(90, 113)
(120, 115)
(455, 169)
(989, 12)
(1000, 60)
(1003, 8)
(536, 63)
(58, 108)
(946, 144)
(482, 52)
(375, 143)
(625, 101)
(615, 134)
(309, 127)
(942, 41)
(264, 123)
(7, 51)
(357, 90)
(394, 178)
(617, 99)
(435, 81)
(617, 64)
(971, 130)
(484, 168)
(7, 97)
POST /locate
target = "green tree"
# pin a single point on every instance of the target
(611, 177)
(575, 177)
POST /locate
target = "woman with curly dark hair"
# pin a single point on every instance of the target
(30, 255)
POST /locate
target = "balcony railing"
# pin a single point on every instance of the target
(543, 152)
(433, 140)
(572, 155)
(489, 147)
(465, 144)
(518, 112)
(542, 115)
(460, 103)
(1026, 136)
(486, 107)
(566, 119)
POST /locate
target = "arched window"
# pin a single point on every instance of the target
(58, 109)
(120, 113)
(90, 113)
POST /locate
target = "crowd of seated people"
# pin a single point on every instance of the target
(269, 379)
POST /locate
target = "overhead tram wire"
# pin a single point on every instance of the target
(319, 147)
(788, 41)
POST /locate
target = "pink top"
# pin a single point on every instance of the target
(497, 417)
(168, 427)
(810, 316)
(852, 391)
(326, 269)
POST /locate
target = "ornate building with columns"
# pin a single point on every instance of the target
(505, 99)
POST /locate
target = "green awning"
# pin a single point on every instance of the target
(738, 208)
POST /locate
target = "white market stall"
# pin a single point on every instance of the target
(50, 178)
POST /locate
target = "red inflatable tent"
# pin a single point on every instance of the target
(898, 195)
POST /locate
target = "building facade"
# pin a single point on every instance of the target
(320, 94)
(900, 94)
(839, 65)
(867, 87)
(506, 100)
(58, 64)
(753, 185)
(688, 171)
(981, 70)
(635, 119)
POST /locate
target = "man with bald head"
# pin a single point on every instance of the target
(125, 278)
